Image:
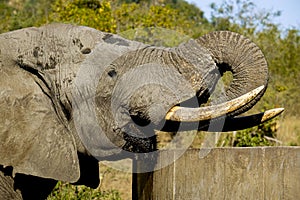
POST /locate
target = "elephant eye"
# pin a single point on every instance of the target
(86, 51)
(112, 73)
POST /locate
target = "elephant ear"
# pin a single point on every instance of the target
(33, 140)
(239, 55)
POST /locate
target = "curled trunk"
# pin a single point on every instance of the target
(237, 54)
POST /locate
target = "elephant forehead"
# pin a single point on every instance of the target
(152, 73)
(141, 67)
(148, 86)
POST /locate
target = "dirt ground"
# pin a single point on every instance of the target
(116, 176)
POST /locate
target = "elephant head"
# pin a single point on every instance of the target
(69, 90)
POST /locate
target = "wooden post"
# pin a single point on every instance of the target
(142, 180)
(224, 173)
(141, 183)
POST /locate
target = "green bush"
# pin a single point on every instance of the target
(23, 13)
(70, 192)
(93, 13)
(262, 135)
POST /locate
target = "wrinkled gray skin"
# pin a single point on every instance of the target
(43, 96)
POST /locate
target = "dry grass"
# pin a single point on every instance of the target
(289, 130)
(113, 179)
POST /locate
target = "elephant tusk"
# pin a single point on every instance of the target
(243, 122)
(184, 114)
(270, 114)
(230, 123)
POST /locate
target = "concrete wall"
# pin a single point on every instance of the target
(224, 173)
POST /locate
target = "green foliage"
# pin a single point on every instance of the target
(132, 15)
(71, 192)
(16, 14)
(123, 16)
(92, 13)
(241, 16)
(7, 12)
(256, 136)
(155, 36)
(109, 16)
(262, 135)
(284, 65)
(137, 15)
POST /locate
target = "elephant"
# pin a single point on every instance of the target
(72, 96)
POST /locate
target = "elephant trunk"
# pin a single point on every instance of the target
(237, 54)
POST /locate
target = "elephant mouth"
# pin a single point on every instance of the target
(204, 115)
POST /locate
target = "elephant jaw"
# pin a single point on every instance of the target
(200, 114)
